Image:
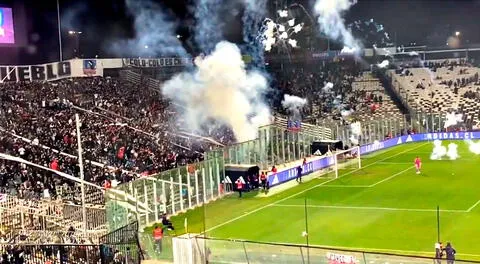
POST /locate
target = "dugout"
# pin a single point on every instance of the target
(242, 172)
(319, 148)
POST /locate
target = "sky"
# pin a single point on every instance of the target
(102, 21)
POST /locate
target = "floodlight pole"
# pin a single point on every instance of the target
(59, 31)
(82, 176)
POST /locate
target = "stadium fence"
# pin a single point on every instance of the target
(170, 192)
(122, 244)
(198, 249)
(53, 253)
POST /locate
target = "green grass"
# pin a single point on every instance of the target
(382, 207)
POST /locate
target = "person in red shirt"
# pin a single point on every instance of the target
(239, 184)
(107, 184)
(158, 236)
(54, 165)
(263, 180)
(418, 164)
(274, 170)
(121, 153)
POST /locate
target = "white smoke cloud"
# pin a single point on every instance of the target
(154, 32)
(452, 152)
(356, 131)
(383, 64)
(328, 87)
(452, 119)
(474, 147)
(348, 50)
(222, 89)
(294, 105)
(332, 23)
(440, 151)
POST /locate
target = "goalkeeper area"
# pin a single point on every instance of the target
(384, 206)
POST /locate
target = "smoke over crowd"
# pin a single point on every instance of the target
(294, 105)
(221, 90)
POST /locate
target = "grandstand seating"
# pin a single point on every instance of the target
(443, 89)
(371, 85)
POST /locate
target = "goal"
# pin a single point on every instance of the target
(346, 160)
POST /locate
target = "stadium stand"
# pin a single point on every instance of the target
(442, 86)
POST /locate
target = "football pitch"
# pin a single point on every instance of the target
(382, 207)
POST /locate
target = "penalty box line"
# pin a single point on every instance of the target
(371, 208)
(371, 185)
(308, 189)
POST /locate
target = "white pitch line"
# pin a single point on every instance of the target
(473, 206)
(395, 163)
(391, 177)
(306, 190)
(370, 208)
(345, 186)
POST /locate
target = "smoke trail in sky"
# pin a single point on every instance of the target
(294, 105)
(253, 17)
(222, 90)
(209, 26)
(331, 22)
(154, 32)
(70, 16)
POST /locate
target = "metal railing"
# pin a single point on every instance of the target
(55, 254)
(200, 250)
(122, 243)
(169, 192)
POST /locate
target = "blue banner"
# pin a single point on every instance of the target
(416, 138)
(316, 165)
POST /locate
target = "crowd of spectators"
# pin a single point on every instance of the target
(129, 131)
(327, 88)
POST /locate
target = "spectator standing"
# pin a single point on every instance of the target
(299, 174)
(438, 252)
(158, 236)
(263, 180)
(450, 252)
(274, 170)
(239, 184)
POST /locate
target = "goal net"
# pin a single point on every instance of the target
(345, 161)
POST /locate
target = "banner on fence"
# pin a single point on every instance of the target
(50, 71)
(42, 72)
(156, 63)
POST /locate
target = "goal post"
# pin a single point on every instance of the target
(348, 159)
